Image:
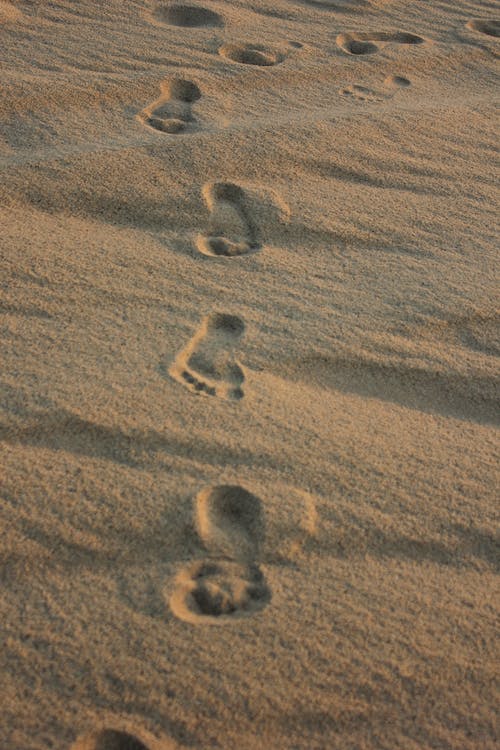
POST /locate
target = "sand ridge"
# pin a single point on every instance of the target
(300, 227)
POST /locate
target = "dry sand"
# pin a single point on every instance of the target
(249, 374)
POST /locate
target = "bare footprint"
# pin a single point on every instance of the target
(229, 585)
(250, 54)
(207, 365)
(364, 43)
(188, 16)
(230, 230)
(490, 28)
(360, 93)
(230, 522)
(392, 84)
(171, 113)
(114, 739)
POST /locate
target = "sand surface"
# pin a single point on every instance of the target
(249, 374)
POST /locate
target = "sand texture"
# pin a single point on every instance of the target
(249, 374)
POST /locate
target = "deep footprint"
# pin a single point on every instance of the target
(250, 54)
(231, 232)
(206, 365)
(364, 43)
(171, 113)
(230, 522)
(109, 739)
(187, 16)
(218, 592)
(490, 28)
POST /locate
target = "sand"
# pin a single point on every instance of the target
(249, 375)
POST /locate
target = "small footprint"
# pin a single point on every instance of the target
(490, 28)
(250, 54)
(207, 365)
(363, 94)
(229, 585)
(360, 93)
(397, 82)
(171, 113)
(188, 16)
(230, 230)
(114, 739)
(364, 43)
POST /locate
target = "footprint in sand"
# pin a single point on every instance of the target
(229, 585)
(490, 28)
(187, 16)
(171, 113)
(363, 94)
(115, 739)
(360, 93)
(207, 365)
(364, 43)
(230, 229)
(250, 54)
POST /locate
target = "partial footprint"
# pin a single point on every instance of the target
(188, 16)
(171, 113)
(360, 93)
(490, 28)
(207, 365)
(115, 739)
(364, 43)
(392, 84)
(250, 54)
(397, 82)
(230, 229)
(229, 585)
(230, 522)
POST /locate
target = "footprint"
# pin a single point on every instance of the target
(207, 365)
(109, 739)
(364, 43)
(397, 82)
(230, 230)
(250, 54)
(230, 522)
(229, 585)
(364, 94)
(491, 28)
(187, 16)
(360, 93)
(171, 113)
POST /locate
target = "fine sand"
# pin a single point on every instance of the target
(249, 382)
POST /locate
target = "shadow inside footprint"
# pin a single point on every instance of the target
(364, 43)
(490, 28)
(109, 739)
(188, 16)
(230, 522)
(206, 365)
(230, 231)
(171, 113)
(250, 54)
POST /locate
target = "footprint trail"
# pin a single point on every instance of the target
(207, 365)
(172, 112)
(230, 229)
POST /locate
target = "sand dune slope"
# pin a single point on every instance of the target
(249, 382)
